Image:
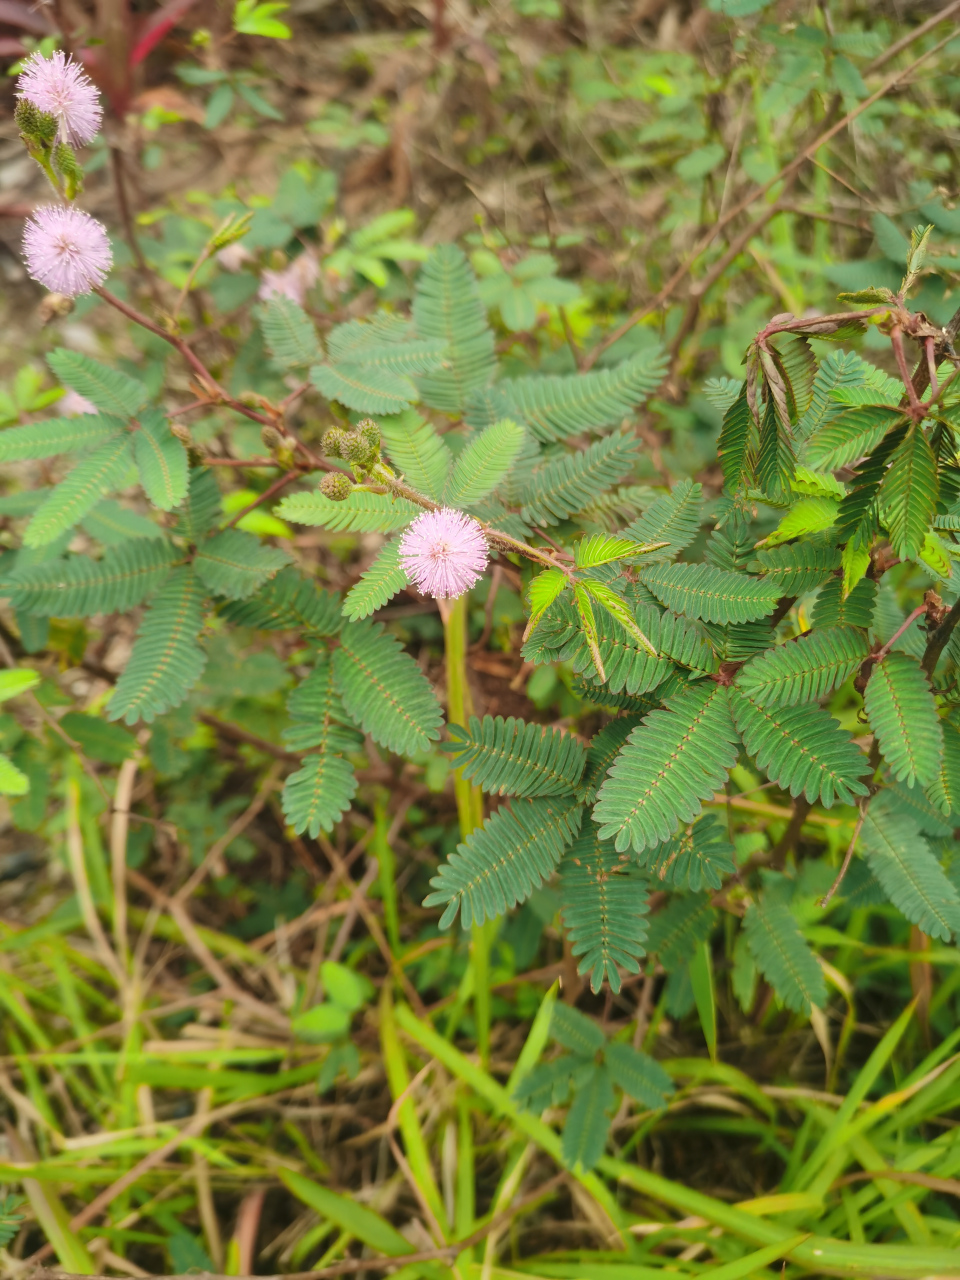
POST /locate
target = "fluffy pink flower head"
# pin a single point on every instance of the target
(66, 249)
(293, 281)
(443, 553)
(60, 87)
(72, 403)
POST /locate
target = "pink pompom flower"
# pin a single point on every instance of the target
(66, 249)
(443, 553)
(60, 87)
(292, 282)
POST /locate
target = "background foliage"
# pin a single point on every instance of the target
(261, 1008)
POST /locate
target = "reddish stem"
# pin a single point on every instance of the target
(278, 484)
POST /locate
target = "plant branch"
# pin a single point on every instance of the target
(847, 859)
(939, 638)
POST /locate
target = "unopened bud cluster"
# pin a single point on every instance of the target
(360, 447)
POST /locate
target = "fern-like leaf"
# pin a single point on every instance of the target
(673, 519)
(555, 407)
(908, 494)
(638, 1075)
(100, 472)
(161, 461)
(202, 508)
(838, 369)
(736, 438)
(831, 610)
(113, 525)
(166, 661)
(627, 664)
(417, 451)
(358, 513)
(806, 669)
(604, 906)
(687, 920)
(234, 564)
(502, 862)
(699, 858)
(903, 714)
(288, 602)
(802, 749)
(289, 334)
(568, 483)
(675, 759)
(909, 874)
(317, 795)
(604, 749)
(79, 586)
(510, 757)
(384, 690)
(588, 1123)
(483, 463)
(852, 434)
(714, 595)
(364, 387)
(377, 585)
(782, 954)
(447, 306)
(798, 568)
(58, 435)
(109, 389)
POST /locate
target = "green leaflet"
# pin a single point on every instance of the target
(166, 661)
(699, 858)
(202, 508)
(509, 757)
(102, 470)
(567, 484)
(736, 438)
(838, 369)
(673, 518)
(555, 407)
(858, 517)
(377, 585)
(483, 463)
(364, 387)
(288, 602)
(831, 610)
(289, 334)
(113, 525)
(575, 1031)
(782, 955)
(850, 435)
(80, 586)
(109, 389)
(417, 451)
(944, 791)
(809, 515)
(627, 664)
(604, 905)
(908, 494)
(161, 461)
(359, 513)
(501, 863)
(58, 435)
(604, 749)
(234, 564)
(715, 595)
(671, 762)
(903, 714)
(679, 926)
(805, 669)
(319, 793)
(638, 1075)
(911, 877)
(447, 306)
(384, 690)
(802, 749)
(798, 568)
(585, 1132)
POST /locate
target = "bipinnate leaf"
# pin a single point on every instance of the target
(364, 387)
(797, 568)
(831, 609)
(234, 564)
(571, 481)
(678, 927)
(13, 782)
(604, 548)
(501, 863)
(850, 435)
(417, 451)
(638, 1075)
(803, 749)
(58, 435)
(114, 525)
(575, 1031)
(782, 954)
(543, 590)
(673, 519)
(805, 669)
(166, 661)
(510, 757)
(110, 390)
(377, 585)
(80, 586)
(384, 690)
(624, 661)
(288, 602)
(699, 858)
(161, 461)
(604, 905)
(483, 463)
(585, 1132)
(319, 793)
(202, 509)
(358, 513)
(737, 436)
(903, 714)
(671, 762)
(944, 791)
(908, 494)
(909, 874)
(289, 334)
(97, 474)
(713, 595)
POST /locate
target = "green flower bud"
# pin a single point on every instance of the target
(369, 430)
(355, 449)
(271, 438)
(69, 168)
(332, 442)
(35, 125)
(336, 486)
